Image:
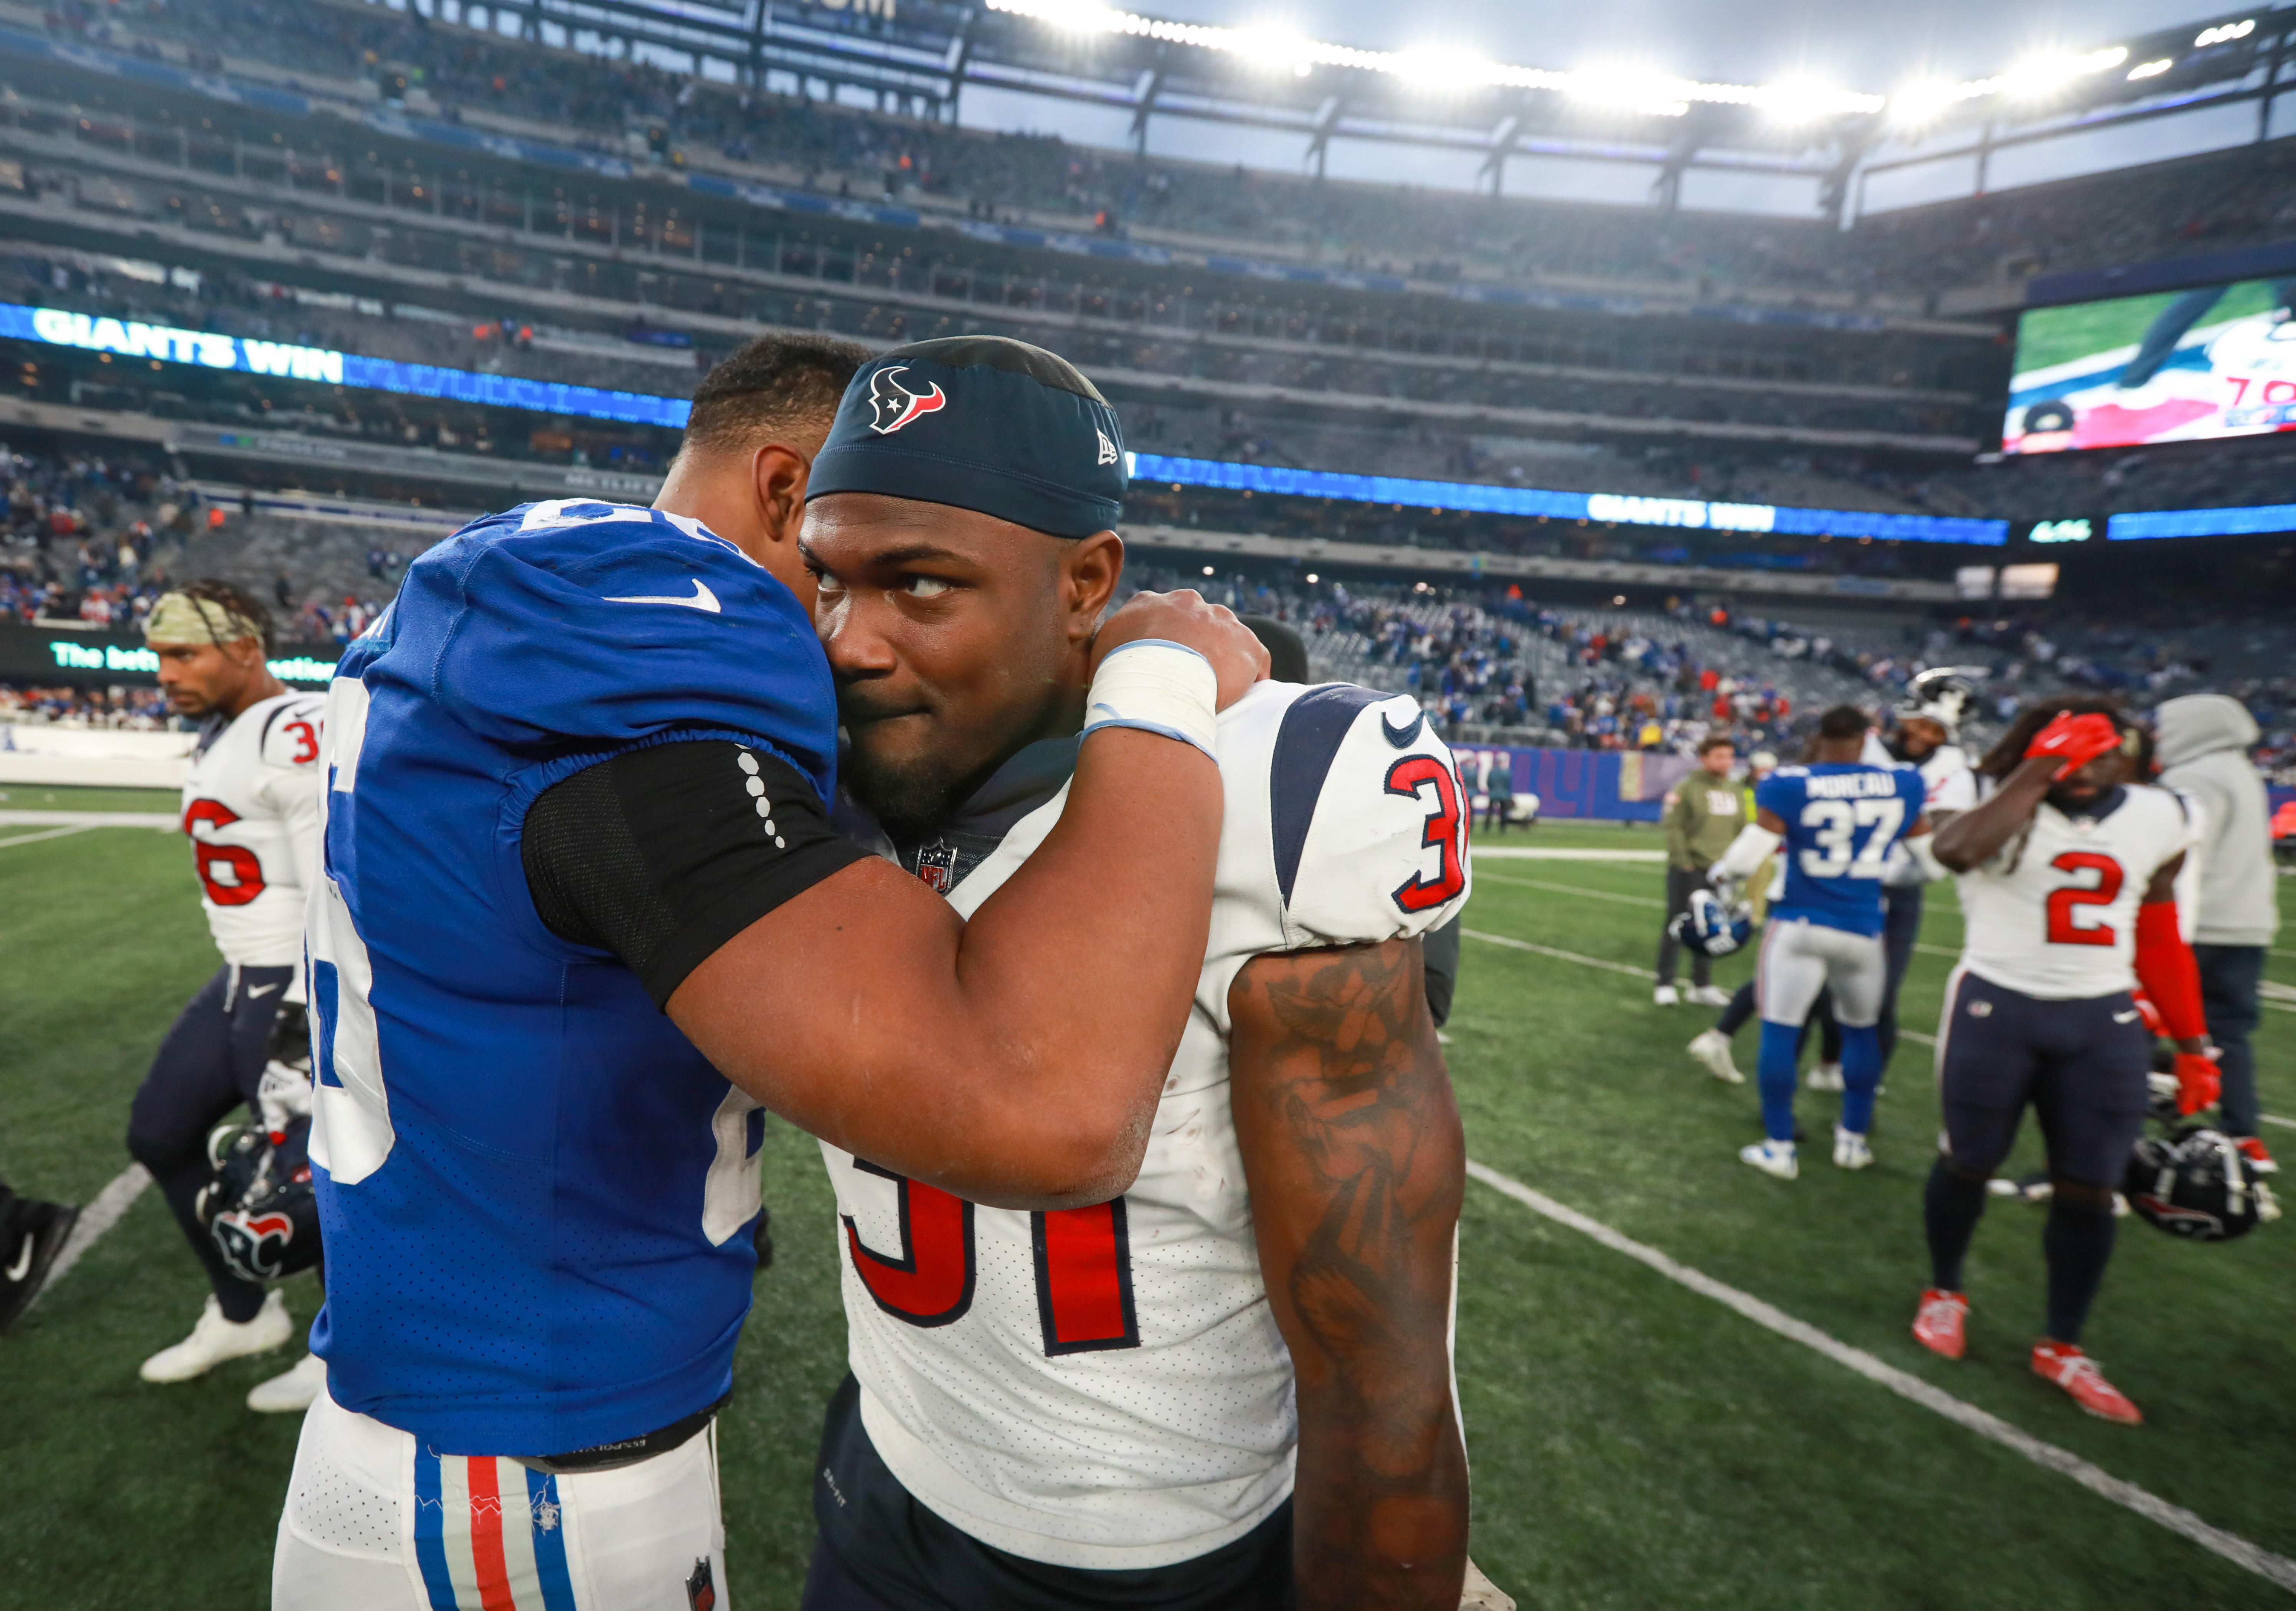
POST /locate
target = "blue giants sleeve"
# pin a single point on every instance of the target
(578, 625)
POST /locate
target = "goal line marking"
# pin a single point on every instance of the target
(2275, 1569)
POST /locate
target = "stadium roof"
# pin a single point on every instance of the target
(920, 55)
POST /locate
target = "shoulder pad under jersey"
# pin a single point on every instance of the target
(1367, 817)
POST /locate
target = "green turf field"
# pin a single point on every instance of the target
(2049, 336)
(1635, 1445)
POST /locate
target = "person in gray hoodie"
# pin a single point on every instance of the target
(2202, 741)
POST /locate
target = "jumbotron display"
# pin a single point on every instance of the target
(2177, 366)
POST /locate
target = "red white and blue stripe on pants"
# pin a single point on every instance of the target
(489, 1535)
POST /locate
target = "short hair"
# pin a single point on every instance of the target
(1287, 654)
(786, 382)
(1720, 740)
(1844, 722)
(225, 595)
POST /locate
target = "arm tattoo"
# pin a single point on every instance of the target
(1352, 1145)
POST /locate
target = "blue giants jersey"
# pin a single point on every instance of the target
(534, 1192)
(1841, 823)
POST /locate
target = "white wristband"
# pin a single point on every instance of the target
(1156, 685)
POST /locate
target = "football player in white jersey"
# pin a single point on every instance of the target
(1231, 1386)
(2067, 871)
(1926, 738)
(251, 810)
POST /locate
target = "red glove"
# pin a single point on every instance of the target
(2198, 1083)
(2075, 741)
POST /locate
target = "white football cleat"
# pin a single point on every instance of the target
(1712, 1047)
(1850, 1151)
(1707, 995)
(1825, 1076)
(1775, 1159)
(292, 1390)
(1666, 995)
(216, 1339)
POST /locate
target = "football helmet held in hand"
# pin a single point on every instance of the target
(1715, 924)
(259, 1207)
(2193, 1183)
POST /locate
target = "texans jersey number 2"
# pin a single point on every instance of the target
(2064, 905)
(1083, 1257)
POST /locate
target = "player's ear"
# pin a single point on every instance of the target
(778, 478)
(1089, 572)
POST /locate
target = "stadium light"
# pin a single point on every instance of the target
(1645, 91)
(2151, 69)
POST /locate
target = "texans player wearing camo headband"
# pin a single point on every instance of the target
(251, 810)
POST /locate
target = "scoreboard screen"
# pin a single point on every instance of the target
(2177, 366)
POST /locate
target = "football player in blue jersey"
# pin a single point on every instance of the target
(1837, 819)
(580, 915)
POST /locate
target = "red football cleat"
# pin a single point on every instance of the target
(2077, 1374)
(2259, 1161)
(1938, 1323)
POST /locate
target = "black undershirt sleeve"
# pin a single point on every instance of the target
(663, 853)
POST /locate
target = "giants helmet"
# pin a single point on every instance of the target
(1942, 694)
(259, 1207)
(2194, 1183)
(1713, 924)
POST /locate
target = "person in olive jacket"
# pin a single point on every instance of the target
(1701, 815)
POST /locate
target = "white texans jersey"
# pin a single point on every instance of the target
(251, 807)
(1105, 1387)
(2054, 912)
(1949, 786)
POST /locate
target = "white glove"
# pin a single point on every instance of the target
(283, 1094)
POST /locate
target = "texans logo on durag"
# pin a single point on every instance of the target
(894, 405)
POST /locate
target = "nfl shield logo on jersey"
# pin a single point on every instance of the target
(937, 866)
(702, 1588)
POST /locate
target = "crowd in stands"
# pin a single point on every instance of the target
(649, 114)
(139, 709)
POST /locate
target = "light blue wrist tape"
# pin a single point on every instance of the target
(1158, 686)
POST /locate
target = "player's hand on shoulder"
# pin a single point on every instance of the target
(1238, 658)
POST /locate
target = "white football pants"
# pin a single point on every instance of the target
(1800, 958)
(377, 1522)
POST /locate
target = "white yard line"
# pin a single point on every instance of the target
(2274, 1568)
(1591, 895)
(1566, 956)
(88, 819)
(98, 1217)
(46, 833)
(1526, 853)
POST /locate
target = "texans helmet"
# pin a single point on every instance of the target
(259, 1207)
(2193, 1182)
(1713, 924)
(1942, 694)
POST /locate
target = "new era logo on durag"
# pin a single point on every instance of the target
(1107, 447)
(893, 405)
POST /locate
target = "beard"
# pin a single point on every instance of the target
(909, 795)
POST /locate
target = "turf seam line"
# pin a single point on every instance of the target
(98, 1217)
(2274, 1568)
